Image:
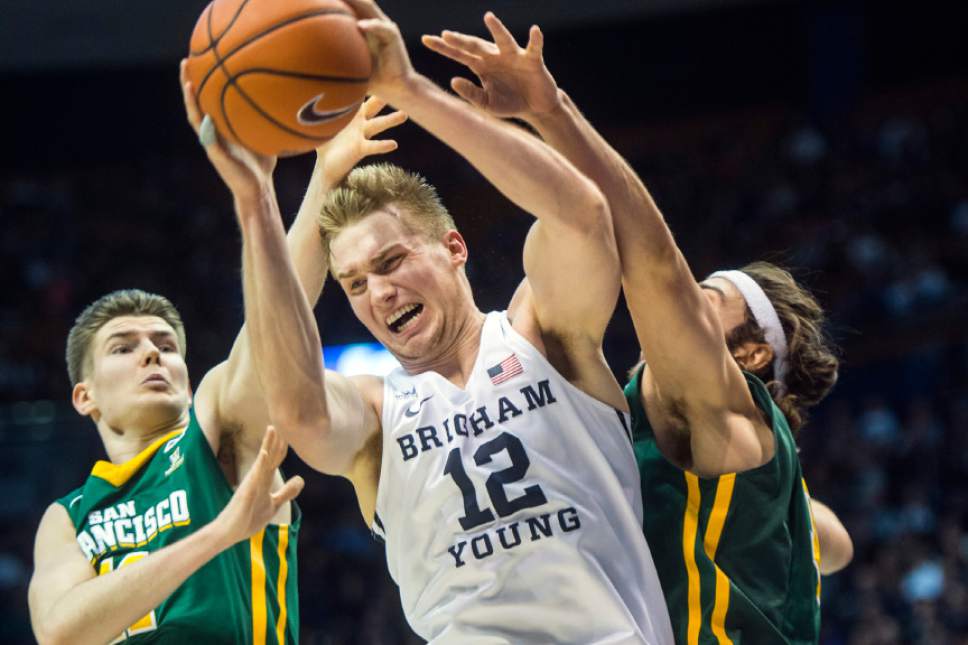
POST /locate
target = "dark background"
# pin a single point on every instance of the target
(831, 137)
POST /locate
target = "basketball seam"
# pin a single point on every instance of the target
(220, 60)
(264, 115)
(212, 41)
(299, 75)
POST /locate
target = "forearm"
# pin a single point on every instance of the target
(282, 334)
(310, 264)
(99, 609)
(640, 229)
(524, 169)
(303, 238)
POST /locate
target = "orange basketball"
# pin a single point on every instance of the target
(279, 77)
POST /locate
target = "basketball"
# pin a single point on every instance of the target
(278, 77)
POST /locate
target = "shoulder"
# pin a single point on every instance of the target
(205, 401)
(55, 527)
(70, 499)
(370, 388)
(521, 314)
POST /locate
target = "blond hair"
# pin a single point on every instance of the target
(812, 357)
(126, 302)
(369, 188)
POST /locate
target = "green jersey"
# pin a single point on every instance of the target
(124, 512)
(737, 555)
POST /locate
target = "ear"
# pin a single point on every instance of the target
(456, 247)
(753, 357)
(83, 399)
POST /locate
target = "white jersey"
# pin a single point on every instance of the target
(511, 509)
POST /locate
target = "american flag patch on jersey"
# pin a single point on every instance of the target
(505, 370)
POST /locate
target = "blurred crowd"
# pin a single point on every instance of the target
(870, 209)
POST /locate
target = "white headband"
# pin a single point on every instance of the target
(766, 318)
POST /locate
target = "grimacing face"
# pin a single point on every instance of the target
(405, 288)
(138, 377)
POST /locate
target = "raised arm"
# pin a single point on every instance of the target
(571, 243)
(70, 604)
(691, 367)
(231, 396)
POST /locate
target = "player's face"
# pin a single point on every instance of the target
(727, 302)
(139, 378)
(404, 287)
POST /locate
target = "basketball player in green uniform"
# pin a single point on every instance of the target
(155, 546)
(730, 367)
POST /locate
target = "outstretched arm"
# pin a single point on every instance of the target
(280, 326)
(69, 603)
(571, 243)
(692, 368)
(231, 392)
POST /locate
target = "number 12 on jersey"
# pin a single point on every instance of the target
(474, 515)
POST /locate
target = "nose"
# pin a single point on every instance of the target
(151, 355)
(381, 289)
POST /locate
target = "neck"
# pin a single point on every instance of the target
(456, 360)
(122, 444)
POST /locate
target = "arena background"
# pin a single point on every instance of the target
(832, 137)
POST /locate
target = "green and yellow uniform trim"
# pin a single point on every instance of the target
(246, 594)
(737, 554)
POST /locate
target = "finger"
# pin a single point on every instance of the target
(260, 474)
(379, 147)
(188, 96)
(468, 91)
(366, 9)
(380, 124)
(288, 491)
(471, 44)
(535, 41)
(437, 44)
(378, 29)
(191, 108)
(372, 106)
(269, 443)
(502, 37)
(279, 448)
(206, 132)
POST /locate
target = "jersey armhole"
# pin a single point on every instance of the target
(641, 428)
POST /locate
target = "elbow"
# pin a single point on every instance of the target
(594, 215)
(837, 553)
(595, 205)
(299, 414)
(53, 634)
(301, 429)
(311, 440)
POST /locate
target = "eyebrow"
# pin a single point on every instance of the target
(129, 334)
(379, 257)
(722, 294)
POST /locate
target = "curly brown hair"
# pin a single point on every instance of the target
(812, 356)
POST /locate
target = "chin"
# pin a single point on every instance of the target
(164, 405)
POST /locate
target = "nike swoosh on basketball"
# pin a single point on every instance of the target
(410, 412)
(309, 115)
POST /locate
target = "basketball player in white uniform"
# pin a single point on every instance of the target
(496, 464)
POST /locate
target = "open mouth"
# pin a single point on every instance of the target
(403, 317)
